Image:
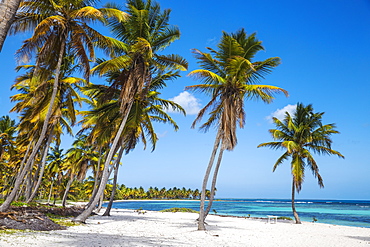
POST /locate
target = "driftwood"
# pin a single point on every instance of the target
(34, 218)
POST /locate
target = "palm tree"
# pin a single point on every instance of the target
(8, 9)
(229, 75)
(145, 33)
(8, 150)
(54, 170)
(145, 109)
(300, 135)
(7, 139)
(34, 100)
(79, 159)
(56, 24)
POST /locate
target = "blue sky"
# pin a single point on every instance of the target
(324, 47)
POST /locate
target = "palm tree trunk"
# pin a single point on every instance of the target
(64, 200)
(297, 220)
(20, 191)
(28, 183)
(21, 167)
(100, 203)
(101, 199)
(96, 182)
(111, 199)
(87, 212)
(214, 180)
(95, 188)
(55, 199)
(42, 169)
(51, 191)
(19, 179)
(8, 9)
(201, 218)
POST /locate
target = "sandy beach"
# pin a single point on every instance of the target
(128, 228)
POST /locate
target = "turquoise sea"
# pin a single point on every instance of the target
(338, 212)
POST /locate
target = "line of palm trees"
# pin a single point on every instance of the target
(120, 115)
(121, 112)
(66, 174)
(156, 193)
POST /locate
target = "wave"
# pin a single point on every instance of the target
(286, 202)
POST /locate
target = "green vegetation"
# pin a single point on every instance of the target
(16, 203)
(61, 220)
(229, 75)
(80, 191)
(11, 231)
(183, 210)
(140, 211)
(284, 218)
(301, 135)
(119, 113)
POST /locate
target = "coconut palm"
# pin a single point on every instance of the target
(34, 99)
(56, 24)
(302, 134)
(229, 75)
(54, 171)
(7, 135)
(145, 33)
(79, 159)
(8, 150)
(145, 109)
(8, 9)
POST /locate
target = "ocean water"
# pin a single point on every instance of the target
(338, 212)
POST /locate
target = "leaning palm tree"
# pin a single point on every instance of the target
(146, 33)
(56, 24)
(146, 109)
(33, 100)
(229, 75)
(300, 135)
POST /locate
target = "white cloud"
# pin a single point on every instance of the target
(280, 113)
(212, 41)
(188, 102)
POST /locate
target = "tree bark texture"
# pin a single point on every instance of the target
(297, 220)
(51, 191)
(97, 178)
(28, 182)
(70, 181)
(8, 9)
(201, 218)
(214, 180)
(111, 199)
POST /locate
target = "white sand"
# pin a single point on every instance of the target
(128, 228)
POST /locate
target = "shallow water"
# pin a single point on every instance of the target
(339, 212)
